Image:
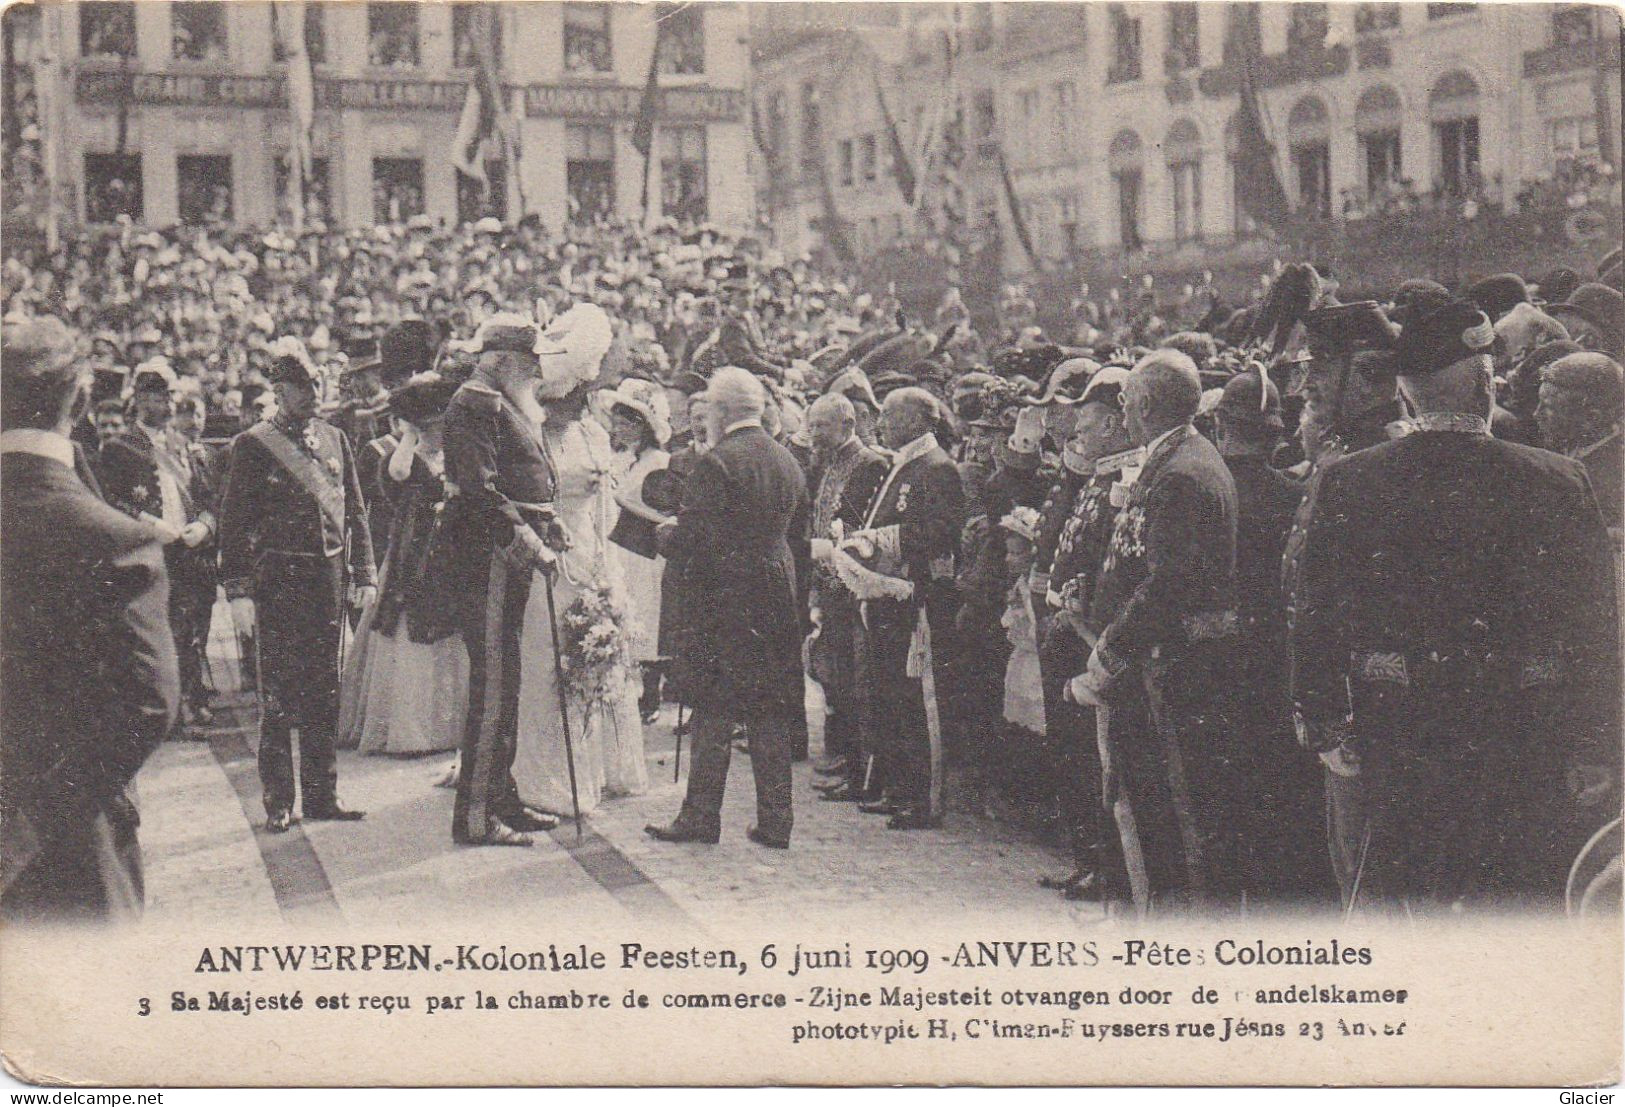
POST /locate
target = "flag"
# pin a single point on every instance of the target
(301, 103)
(1258, 186)
(485, 117)
(1016, 218)
(902, 171)
(643, 131)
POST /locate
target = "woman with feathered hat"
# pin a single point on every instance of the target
(589, 597)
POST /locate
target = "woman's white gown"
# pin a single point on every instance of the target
(608, 738)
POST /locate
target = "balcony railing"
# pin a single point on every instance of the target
(1276, 70)
(1570, 56)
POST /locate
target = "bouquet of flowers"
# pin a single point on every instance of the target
(597, 649)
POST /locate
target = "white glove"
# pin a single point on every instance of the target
(1342, 761)
(195, 533)
(166, 533)
(822, 549)
(362, 595)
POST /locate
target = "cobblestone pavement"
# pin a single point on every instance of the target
(208, 858)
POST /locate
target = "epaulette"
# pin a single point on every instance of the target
(481, 397)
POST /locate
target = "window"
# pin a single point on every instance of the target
(475, 201)
(1573, 24)
(1453, 109)
(1184, 38)
(811, 127)
(1125, 44)
(1066, 106)
(1067, 210)
(586, 38)
(682, 173)
(112, 187)
(107, 29)
(1376, 121)
(1308, 131)
(1187, 184)
(1183, 148)
(317, 205)
(203, 188)
(1574, 136)
(392, 35)
(1445, 11)
(843, 150)
(682, 38)
(466, 28)
(981, 26)
(197, 30)
(1307, 28)
(777, 113)
(315, 33)
(1125, 158)
(867, 156)
(589, 171)
(397, 188)
(986, 115)
(1376, 17)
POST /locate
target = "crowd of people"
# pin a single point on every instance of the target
(1298, 602)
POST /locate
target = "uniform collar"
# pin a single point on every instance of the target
(1152, 446)
(1586, 451)
(917, 448)
(741, 425)
(41, 443)
(1458, 422)
(1116, 463)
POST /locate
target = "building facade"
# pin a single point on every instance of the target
(178, 112)
(1111, 128)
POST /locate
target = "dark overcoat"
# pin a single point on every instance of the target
(742, 526)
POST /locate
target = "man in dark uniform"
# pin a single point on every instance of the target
(1166, 593)
(86, 655)
(1286, 812)
(148, 474)
(846, 475)
(1456, 647)
(1100, 450)
(910, 540)
(1350, 405)
(499, 520)
(293, 535)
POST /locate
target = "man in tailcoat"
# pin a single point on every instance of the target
(500, 520)
(149, 474)
(1455, 653)
(910, 542)
(86, 656)
(293, 536)
(848, 474)
(1286, 812)
(744, 515)
(1166, 593)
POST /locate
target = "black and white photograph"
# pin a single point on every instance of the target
(1036, 507)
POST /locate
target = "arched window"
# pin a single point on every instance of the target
(1376, 121)
(1183, 151)
(1453, 110)
(1308, 130)
(1126, 159)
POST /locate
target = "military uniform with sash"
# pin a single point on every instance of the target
(293, 534)
(501, 482)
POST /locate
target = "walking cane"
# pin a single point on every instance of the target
(564, 709)
(677, 735)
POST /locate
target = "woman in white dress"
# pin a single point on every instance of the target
(607, 733)
(639, 429)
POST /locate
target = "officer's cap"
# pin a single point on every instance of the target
(1241, 401)
(506, 331)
